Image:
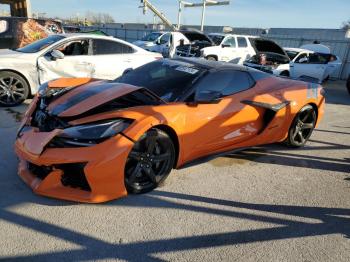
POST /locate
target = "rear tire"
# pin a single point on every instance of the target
(13, 89)
(149, 162)
(302, 127)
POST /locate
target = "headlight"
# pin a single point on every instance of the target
(90, 134)
(97, 130)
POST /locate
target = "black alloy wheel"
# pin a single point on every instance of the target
(13, 89)
(149, 162)
(302, 127)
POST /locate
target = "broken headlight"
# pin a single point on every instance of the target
(90, 134)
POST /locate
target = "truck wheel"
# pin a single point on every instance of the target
(211, 58)
(13, 89)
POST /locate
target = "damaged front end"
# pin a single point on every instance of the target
(269, 57)
(82, 162)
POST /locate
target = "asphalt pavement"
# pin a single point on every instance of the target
(267, 203)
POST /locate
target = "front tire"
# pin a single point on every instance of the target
(13, 89)
(302, 127)
(285, 73)
(149, 162)
(212, 58)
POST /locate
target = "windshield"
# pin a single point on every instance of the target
(291, 54)
(151, 37)
(168, 79)
(217, 39)
(40, 44)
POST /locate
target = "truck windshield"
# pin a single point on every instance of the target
(151, 37)
(40, 44)
(217, 39)
(169, 80)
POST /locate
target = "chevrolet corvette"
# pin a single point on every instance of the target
(91, 140)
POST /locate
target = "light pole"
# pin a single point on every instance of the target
(204, 5)
(203, 14)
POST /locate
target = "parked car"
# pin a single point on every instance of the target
(16, 32)
(312, 60)
(69, 55)
(131, 132)
(170, 44)
(149, 40)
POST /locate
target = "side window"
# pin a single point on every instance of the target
(227, 82)
(106, 47)
(302, 58)
(318, 59)
(164, 39)
(75, 48)
(242, 42)
(230, 41)
(3, 26)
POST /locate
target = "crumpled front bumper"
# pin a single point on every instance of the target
(103, 167)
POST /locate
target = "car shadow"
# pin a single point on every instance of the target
(329, 221)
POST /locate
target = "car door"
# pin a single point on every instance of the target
(242, 50)
(75, 62)
(163, 44)
(228, 49)
(310, 65)
(333, 65)
(111, 58)
(221, 125)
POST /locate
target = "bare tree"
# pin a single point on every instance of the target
(346, 25)
(99, 18)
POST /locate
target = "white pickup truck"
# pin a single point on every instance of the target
(167, 42)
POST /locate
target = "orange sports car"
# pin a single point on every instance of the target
(90, 140)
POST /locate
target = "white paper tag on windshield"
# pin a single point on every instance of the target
(186, 69)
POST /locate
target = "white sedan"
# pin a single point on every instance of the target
(23, 70)
(313, 60)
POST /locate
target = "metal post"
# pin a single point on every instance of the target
(179, 15)
(203, 15)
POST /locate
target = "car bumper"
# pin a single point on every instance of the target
(101, 168)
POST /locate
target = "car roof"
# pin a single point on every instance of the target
(294, 49)
(217, 65)
(69, 35)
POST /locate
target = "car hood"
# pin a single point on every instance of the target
(267, 46)
(80, 98)
(8, 53)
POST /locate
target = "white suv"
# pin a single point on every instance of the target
(229, 48)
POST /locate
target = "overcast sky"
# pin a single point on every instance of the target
(240, 13)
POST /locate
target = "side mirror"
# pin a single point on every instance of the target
(208, 97)
(127, 71)
(56, 54)
(158, 41)
(225, 45)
